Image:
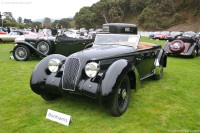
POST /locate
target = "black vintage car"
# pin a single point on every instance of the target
(187, 45)
(29, 46)
(107, 70)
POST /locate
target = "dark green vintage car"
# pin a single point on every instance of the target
(28, 46)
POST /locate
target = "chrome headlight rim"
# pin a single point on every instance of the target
(54, 65)
(91, 69)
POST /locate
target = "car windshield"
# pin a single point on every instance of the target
(175, 33)
(117, 39)
(189, 33)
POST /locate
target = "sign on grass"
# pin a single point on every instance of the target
(58, 117)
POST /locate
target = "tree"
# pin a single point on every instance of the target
(55, 23)
(9, 19)
(27, 21)
(38, 24)
(19, 20)
(84, 18)
(9, 16)
(137, 5)
(65, 22)
(47, 23)
(110, 11)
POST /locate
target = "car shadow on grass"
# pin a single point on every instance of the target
(72, 103)
(182, 56)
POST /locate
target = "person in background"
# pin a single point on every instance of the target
(32, 30)
(8, 29)
(37, 29)
(54, 31)
(45, 31)
(62, 30)
(59, 30)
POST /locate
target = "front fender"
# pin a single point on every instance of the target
(40, 74)
(31, 47)
(111, 80)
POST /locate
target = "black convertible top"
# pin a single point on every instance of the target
(189, 39)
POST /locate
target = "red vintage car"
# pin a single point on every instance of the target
(2, 33)
(162, 35)
(188, 46)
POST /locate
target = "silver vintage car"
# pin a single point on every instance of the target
(11, 36)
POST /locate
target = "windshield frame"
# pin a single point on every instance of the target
(117, 39)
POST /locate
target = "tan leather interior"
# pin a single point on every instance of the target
(143, 45)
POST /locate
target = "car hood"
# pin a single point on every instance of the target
(107, 51)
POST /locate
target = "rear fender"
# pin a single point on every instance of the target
(112, 79)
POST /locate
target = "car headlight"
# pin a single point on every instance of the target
(91, 69)
(53, 65)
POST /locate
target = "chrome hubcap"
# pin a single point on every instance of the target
(123, 94)
(43, 47)
(20, 53)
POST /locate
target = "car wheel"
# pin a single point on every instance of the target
(159, 73)
(44, 47)
(168, 54)
(21, 53)
(122, 97)
(194, 53)
(49, 96)
(1, 41)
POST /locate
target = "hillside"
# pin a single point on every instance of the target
(180, 15)
(191, 24)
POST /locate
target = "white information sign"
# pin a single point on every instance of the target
(58, 117)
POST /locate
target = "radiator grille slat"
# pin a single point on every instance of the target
(71, 69)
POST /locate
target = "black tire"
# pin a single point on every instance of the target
(168, 54)
(194, 53)
(159, 74)
(49, 96)
(1, 41)
(44, 47)
(21, 53)
(122, 97)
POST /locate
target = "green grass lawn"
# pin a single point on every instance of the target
(171, 104)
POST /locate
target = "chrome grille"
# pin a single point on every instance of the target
(71, 69)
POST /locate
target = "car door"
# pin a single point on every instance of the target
(69, 45)
(145, 62)
(80, 44)
(63, 46)
(14, 35)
